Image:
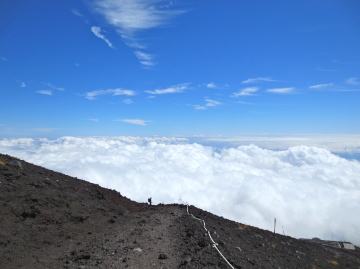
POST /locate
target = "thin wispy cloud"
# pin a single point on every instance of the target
(46, 92)
(257, 80)
(77, 13)
(343, 62)
(97, 32)
(53, 87)
(134, 121)
(145, 59)
(282, 90)
(22, 85)
(352, 81)
(209, 103)
(173, 89)
(326, 70)
(199, 107)
(321, 86)
(244, 103)
(94, 120)
(3, 59)
(129, 17)
(246, 92)
(211, 85)
(114, 92)
(128, 101)
(80, 15)
(44, 130)
(347, 90)
(316, 28)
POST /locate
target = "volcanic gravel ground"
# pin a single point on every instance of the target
(50, 220)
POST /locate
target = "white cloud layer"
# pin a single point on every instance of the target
(92, 95)
(97, 32)
(341, 144)
(310, 191)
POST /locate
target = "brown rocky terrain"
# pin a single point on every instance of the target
(51, 220)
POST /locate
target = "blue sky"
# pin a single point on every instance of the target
(281, 75)
(179, 68)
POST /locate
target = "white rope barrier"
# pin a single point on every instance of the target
(214, 244)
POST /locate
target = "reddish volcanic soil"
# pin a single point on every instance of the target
(50, 220)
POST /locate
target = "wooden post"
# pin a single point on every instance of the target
(274, 224)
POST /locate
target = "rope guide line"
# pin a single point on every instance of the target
(212, 240)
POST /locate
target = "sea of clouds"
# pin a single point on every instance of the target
(310, 191)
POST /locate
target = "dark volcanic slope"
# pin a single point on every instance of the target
(50, 220)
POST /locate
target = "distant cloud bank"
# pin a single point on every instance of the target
(310, 191)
